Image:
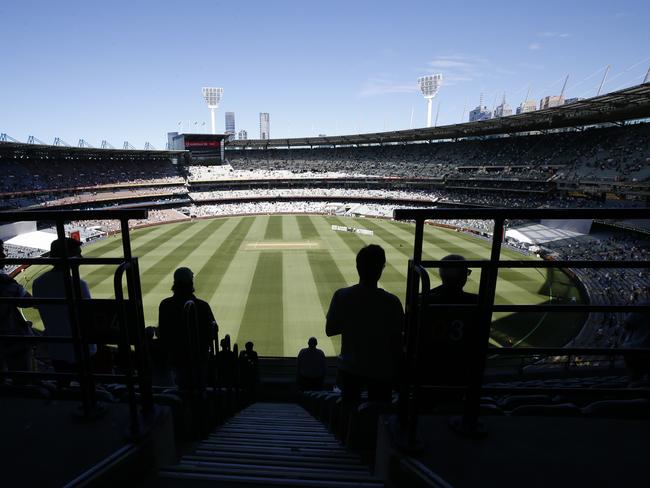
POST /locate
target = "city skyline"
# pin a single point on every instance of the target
(76, 77)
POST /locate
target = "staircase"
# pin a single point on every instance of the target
(270, 444)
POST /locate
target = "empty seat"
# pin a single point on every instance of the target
(514, 401)
(556, 410)
(629, 409)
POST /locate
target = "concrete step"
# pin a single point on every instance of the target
(174, 479)
(280, 451)
(305, 461)
(278, 445)
(276, 472)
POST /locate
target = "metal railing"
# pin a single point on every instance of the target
(418, 284)
(130, 315)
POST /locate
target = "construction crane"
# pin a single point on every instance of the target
(564, 86)
(602, 82)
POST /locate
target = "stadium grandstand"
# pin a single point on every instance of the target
(549, 208)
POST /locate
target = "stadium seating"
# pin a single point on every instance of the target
(594, 154)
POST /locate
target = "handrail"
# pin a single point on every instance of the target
(101, 214)
(469, 422)
(519, 213)
(546, 390)
(416, 274)
(73, 299)
(511, 263)
(87, 478)
(59, 261)
(126, 347)
(423, 473)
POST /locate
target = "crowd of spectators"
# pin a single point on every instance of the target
(111, 226)
(315, 192)
(611, 153)
(607, 286)
(16, 252)
(48, 174)
(227, 172)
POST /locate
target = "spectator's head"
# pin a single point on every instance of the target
(312, 342)
(249, 346)
(2, 249)
(58, 248)
(183, 281)
(370, 263)
(455, 277)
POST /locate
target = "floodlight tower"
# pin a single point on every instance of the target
(429, 86)
(212, 97)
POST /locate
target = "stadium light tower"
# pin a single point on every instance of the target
(429, 86)
(212, 97)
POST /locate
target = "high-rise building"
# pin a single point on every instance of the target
(527, 106)
(480, 113)
(230, 125)
(243, 135)
(572, 100)
(265, 125)
(551, 101)
(504, 109)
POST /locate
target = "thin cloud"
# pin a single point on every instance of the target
(458, 68)
(554, 34)
(455, 69)
(382, 86)
(535, 46)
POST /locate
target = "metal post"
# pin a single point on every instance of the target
(135, 298)
(72, 294)
(126, 346)
(469, 423)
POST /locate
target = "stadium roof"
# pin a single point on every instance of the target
(628, 104)
(18, 149)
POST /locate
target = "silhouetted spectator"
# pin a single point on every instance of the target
(227, 363)
(312, 367)
(14, 356)
(186, 332)
(446, 348)
(370, 322)
(249, 370)
(56, 318)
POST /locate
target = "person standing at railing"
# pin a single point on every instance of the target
(14, 356)
(312, 367)
(448, 336)
(56, 318)
(370, 322)
(175, 338)
(226, 364)
(249, 370)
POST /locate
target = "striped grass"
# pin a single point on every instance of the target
(277, 296)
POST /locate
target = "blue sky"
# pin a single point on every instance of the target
(132, 70)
